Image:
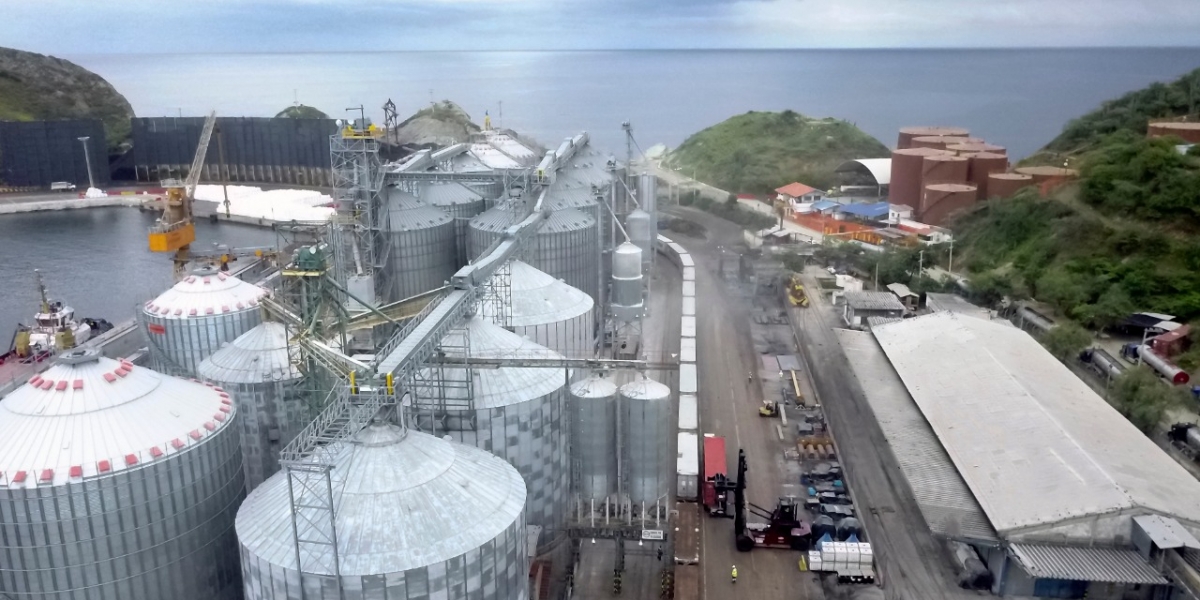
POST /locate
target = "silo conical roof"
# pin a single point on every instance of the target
(406, 500)
(90, 415)
(594, 387)
(538, 298)
(645, 389)
(205, 292)
(407, 213)
(499, 217)
(448, 193)
(567, 219)
(504, 386)
(258, 355)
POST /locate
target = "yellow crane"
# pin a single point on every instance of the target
(176, 228)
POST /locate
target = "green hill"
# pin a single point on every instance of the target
(1130, 113)
(35, 86)
(760, 151)
(300, 111)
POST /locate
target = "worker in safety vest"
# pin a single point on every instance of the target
(733, 574)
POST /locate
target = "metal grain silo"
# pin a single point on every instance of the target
(118, 483)
(943, 169)
(942, 199)
(489, 226)
(975, 147)
(908, 133)
(646, 444)
(258, 371)
(194, 318)
(549, 312)
(593, 409)
(905, 185)
(1005, 185)
(460, 203)
(936, 141)
(637, 225)
(566, 248)
(981, 165)
(417, 518)
(424, 253)
(568, 194)
(627, 286)
(516, 413)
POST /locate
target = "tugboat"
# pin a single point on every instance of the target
(55, 329)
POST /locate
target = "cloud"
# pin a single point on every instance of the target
(352, 25)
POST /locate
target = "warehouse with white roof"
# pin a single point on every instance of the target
(1008, 450)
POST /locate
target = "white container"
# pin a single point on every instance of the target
(687, 467)
(688, 413)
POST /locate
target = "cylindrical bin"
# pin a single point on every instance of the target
(940, 142)
(982, 164)
(593, 409)
(908, 133)
(1005, 185)
(976, 147)
(942, 199)
(905, 185)
(649, 463)
(1048, 177)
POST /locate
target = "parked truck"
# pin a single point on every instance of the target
(716, 477)
(1186, 437)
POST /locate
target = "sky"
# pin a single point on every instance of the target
(157, 26)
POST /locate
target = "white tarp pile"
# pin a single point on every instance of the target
(275, 205)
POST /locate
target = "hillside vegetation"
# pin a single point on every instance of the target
(1129, 113)
(35, 86)
(759, 151)
(1122, 240)
(301, 111)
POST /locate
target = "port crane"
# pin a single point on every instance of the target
(176, 228)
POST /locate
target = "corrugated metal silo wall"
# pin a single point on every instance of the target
(184, 343)
(38, 153)
(572, 337)
(270, 414)
(570, 255)
(422, 259)
(257, 149)
(594, 435)
(162, 531)
(940, 203)
(648, 462)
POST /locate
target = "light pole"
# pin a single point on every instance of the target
(88, 159)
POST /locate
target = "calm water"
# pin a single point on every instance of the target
(94, 259)
(1020, 99)
(1017, 98)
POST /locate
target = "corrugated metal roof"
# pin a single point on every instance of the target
(257, 356)
(953, 303)
(645, 388)
(873, 301)
(500, 217)
(448, 193)
(865, 210)
(87, 410)
(594, 387)
(797, 189)
(825, 204)
(879, 168)
(493, 158)
(1166, 532)
(1018, 425)
(567, 219)
(503, 386)
(537, 298)
(949, 507)
(407, 213)
(404, 500)
(874, 322)
(204, 293)
(900, 289)
(1108, 565)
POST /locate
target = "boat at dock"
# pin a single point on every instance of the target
(54, 329)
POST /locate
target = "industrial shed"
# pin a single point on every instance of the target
(861, 306)
(866, 173)
(1007, 450)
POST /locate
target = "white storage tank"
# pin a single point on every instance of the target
(593, 408)
(517, 413)
(260, 374)
(418, 518)
(627, 283)
(649, 463)
(194, 318)
(118, 483)
(549, 312)
(638, 226)
(424, 253)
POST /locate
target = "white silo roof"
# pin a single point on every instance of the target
(257, 356)
(538, 298)
(205, 292)
(89, 415)
(594, 387)
(645, 389)
(448, 193)
(502, 386)
(408, 500)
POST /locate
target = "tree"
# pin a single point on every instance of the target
(1112, 306)
(1066, 340)
(731, 200)
(990, 288)
(1143, 398)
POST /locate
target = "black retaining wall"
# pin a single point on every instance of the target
(257, 149)
(37, 153)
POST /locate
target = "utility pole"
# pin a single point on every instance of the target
(87, 157)
(921, 265)
(876, 275)
(950, 267)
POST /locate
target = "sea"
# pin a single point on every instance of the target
(1020, 99)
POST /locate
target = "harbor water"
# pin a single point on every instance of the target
(96, 260)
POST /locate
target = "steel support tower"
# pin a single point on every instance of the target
(362, 219)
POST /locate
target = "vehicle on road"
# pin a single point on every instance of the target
(62, 186)
(785, 526)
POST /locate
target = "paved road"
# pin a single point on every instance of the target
(911, 563)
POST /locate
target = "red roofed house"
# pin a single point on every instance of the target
(798, 193)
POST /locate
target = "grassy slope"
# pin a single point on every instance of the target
(1130, 112)
(301, 111)
(760, 151)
